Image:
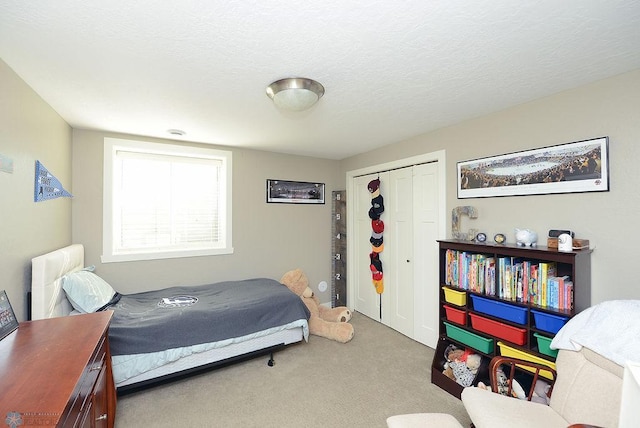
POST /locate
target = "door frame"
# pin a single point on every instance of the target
(437, 156)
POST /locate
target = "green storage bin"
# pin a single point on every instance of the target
(544, 344)
(478, 343)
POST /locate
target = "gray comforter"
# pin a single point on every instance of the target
(184, 316)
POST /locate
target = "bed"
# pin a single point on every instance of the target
(153, 362)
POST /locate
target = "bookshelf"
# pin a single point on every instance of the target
(495, 301)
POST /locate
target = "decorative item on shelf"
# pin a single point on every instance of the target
(467, 210)
(526, 238)
(481, 237)
(554, 233)
(499, 238)
(565, 243)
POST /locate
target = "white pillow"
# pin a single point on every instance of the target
(86, 291)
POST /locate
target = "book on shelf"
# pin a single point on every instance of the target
(534, 289)
(509, 278)
(545, 271)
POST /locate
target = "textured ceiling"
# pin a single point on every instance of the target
(391, 69)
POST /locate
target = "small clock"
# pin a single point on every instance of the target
(499, 238)
(481, 237)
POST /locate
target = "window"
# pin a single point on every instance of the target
(164, 201)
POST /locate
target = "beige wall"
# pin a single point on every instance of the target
(272, 238)
(606, 108)
(268, 239)
(30, 130)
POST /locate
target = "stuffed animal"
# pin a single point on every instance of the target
(462, 365)
(325, 322)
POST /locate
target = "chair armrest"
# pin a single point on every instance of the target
(498, 361)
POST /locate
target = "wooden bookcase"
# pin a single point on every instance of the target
(530, 325)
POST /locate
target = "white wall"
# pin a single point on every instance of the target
(605, 108)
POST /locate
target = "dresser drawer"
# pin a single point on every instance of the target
(82, 399)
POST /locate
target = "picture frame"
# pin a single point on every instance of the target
(8, 321)
(577, 167)
(294, 192)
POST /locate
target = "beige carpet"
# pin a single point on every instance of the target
(316, 384)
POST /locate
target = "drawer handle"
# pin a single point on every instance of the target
(95, 368)
(102, 417)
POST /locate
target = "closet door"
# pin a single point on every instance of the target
(366, 300)
(425, 258)
(398, 298)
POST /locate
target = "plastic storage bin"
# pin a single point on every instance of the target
(509, 351)
(501, 310)
(548, 322)
(544, 345)
(475, 341)
(455, 315)
(458, 298)
(503, 331)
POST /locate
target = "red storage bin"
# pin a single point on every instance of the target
(498, 329)
(455, 315)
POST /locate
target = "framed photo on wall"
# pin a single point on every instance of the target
(294, 192)
(582, 166)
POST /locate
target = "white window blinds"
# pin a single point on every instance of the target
(167, 205)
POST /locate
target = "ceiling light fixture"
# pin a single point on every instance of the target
(295, 93)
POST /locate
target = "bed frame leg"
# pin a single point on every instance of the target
(271, 361)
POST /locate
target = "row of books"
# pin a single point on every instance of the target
(509, 278)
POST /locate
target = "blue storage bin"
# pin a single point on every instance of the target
(548, 322)
(501, 310)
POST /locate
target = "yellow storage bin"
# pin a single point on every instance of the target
(508, 351)
(458, 298)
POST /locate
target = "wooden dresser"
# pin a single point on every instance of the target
(57, 372)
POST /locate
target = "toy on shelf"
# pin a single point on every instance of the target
(462, 365)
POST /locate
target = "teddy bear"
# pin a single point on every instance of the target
(325, 322)
(462, 365)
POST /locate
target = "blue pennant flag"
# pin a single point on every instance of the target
(47, 186)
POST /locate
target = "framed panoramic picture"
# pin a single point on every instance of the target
(582, 166)
(294, 192)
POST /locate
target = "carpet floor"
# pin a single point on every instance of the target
(321, 383)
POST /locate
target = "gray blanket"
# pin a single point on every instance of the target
(184, 316)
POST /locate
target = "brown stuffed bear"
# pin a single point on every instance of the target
(325, 322)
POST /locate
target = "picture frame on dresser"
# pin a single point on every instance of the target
(8, 321)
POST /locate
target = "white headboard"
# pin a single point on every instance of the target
(47, 297)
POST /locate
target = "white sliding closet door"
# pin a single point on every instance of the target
(367, 301)
(425, 257)
(398, 298)
(409, 303)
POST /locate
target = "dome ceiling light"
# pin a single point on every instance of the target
(295, 93)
